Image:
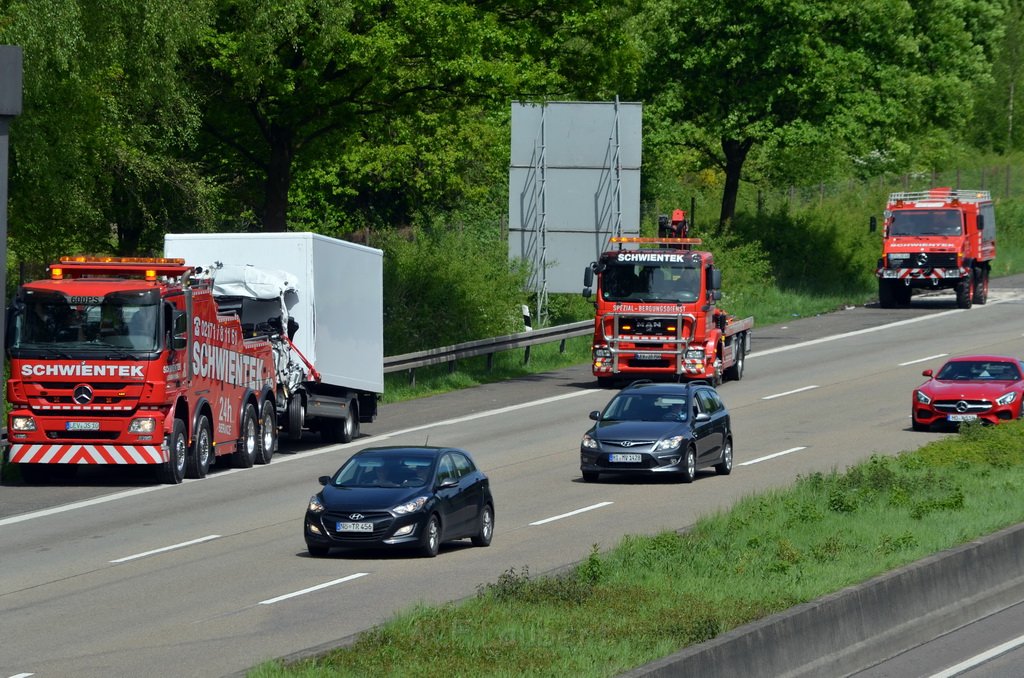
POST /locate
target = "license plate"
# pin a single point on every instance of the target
(961, 417)
(355, 527)
(647, 356)
(624, 457)
(82, 426)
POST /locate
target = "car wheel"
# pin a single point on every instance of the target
(689, 465)
(724, 467)
(317, 551)
(173, 470)
(201, 455)
(483, 537)
(268, 433)
(248, 439)
(430, 541)
(590, 476)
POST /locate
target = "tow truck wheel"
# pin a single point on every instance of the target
(296, 417)
(980, 286)
(735, 371)
(173, 470)
(200, 457)
(965, 292)
(248, 440)
(886, 293)
(268, 433)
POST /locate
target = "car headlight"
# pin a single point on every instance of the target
(694, 354)
(410, 506)
(1007, 398)
(588, 442)
(315, 505)
(922, 398)
(142, 425)
(23, 424)
(670, 443)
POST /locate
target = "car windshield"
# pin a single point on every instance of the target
(982, 370)
(385, 471)
(650, 282)
(646, 407)
(925, 222)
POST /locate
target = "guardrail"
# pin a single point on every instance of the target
(488, 347)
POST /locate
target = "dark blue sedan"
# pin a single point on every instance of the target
(659, 429)
(414, 497)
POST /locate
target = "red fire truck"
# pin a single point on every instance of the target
(936, 239)
(656, 313)
(129, 361)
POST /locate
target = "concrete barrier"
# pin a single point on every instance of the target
(855, 628)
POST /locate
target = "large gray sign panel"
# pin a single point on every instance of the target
(574, 182)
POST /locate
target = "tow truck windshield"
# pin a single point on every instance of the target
(670, 283)
(925, 222)
(125, 323)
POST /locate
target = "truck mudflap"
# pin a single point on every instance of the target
(78, 453)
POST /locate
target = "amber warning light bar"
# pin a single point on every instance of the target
(657, 241)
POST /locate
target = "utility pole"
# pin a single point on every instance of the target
(10, 106)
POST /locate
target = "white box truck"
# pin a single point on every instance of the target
(320, 301)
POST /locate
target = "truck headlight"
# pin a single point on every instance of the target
(1007, 398)
(602, 352)
(694, 354)
(142, 425)
(922, 398)
(23, 424)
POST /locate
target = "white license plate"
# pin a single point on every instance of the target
(647, 356)
(889, 273)
(961, 417)
(81, 426)
(355, 527)
(625, 457)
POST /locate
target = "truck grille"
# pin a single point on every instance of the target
(924, 260)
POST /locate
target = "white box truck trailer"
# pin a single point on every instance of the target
(320, 300)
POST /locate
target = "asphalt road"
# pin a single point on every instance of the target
(119, 576)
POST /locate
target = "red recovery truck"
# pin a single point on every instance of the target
(129, 361)
(656, 313)
(936, 239)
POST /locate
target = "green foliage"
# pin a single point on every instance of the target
(444, 287)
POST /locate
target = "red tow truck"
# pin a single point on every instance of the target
(941, 238)
(129, 361)
(656, 313)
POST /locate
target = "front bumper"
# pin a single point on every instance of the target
(669, 461)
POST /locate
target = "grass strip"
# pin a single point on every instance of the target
(651, 596)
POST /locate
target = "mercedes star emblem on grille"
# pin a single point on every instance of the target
(83, 394)
(921, 259)
(962, 406)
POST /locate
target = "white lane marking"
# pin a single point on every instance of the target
(796, 390)
(845, 335)
(271, 601)
(281, 459)
(980, 658)
(923, 360)
(22, 675)
(772, 456)
(164, 549)
(573, 513)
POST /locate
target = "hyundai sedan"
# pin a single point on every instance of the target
(414, 497)
(659, 429)
(969, 388)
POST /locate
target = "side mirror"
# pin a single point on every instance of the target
(448, 482)
(14, 311)
(588, 281)
(596, 415)
(981, 222)
(872, 225)
(715, 281)
(927, 373)
(323, 480)
(702, 416)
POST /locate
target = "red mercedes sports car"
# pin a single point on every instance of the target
(986, 387)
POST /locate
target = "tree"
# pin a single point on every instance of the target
(734, 75)
(96, 155)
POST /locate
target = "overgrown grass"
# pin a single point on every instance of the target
(651, 596)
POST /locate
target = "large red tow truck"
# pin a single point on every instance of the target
(130, 361)
(941, 238)
(656, 311)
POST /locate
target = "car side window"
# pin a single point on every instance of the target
(708, 402)
(462, 465)
(446, 469)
